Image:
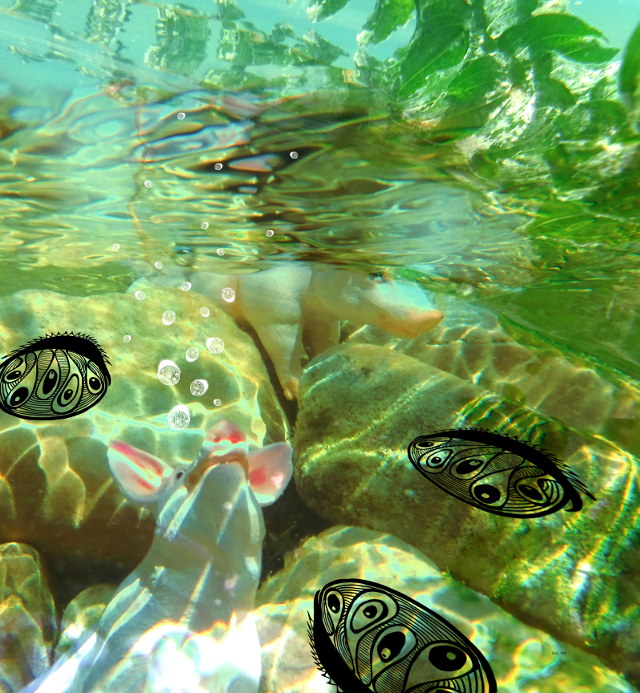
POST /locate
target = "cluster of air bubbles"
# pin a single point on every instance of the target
(148, 184)
(168, 317)
(191, 354)
(180, 116)
(294, 155)
(115, 246)
(215, 345)
(140, 295)
(228, 295)
(269, 232)
(199, 387)
(217, 402)
(220, 251)
(204, 311)
(168, 372)
(218, 166)
(179, 417)
(204, 225)
(185, 286)
(158, 265)
(126, 338)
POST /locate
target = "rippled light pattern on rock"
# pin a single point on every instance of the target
(54, 377)
(366, 637)
(496, 473)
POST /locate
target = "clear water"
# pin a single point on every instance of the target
(189, 185)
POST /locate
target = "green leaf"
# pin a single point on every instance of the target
(441, 41)
(629, 75)
(563, 33)
(552, 92)
(387, 16)
(474, 81)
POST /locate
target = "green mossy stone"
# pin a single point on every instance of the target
(574, 575)
(28, 625)
(56, 492)
(523, 659)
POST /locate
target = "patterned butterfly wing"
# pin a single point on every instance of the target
(53, 377)
(367, 637)
(495, 473)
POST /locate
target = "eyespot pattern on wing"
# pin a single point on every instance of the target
(367, 638)
(54, 377)
(496, 473)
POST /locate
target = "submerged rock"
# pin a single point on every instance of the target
(573, 575)
(28, 626)
(81, 617)
(56, 492)
(523, 660)
(474, 346)
(293, 305)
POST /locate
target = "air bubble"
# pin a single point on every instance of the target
(168, 317)
(205, 312)
(179, 417)
(220, 251)
(185, 286)
(199, 387)
(180, 116)
(158, 265)
(140, 295)
(294, 155)
(168, 372)
(204, 225)
(191, 354)
(148, 184)
(215, 345)
(228, 295)
(269, 232)
(217, 402)
(126, 338)
(115, 246)
(218, 166)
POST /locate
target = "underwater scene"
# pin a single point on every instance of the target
(319, 346)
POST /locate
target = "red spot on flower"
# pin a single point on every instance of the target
(257, 477)
(236, 438)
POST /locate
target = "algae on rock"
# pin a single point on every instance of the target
(56, 492)
(573, 575)
(524, 660)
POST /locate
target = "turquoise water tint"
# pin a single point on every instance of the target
(320, 346)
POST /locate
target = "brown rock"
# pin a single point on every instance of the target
(28, 625)
(574, 575)
(56, 492)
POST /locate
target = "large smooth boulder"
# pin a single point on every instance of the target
(574, 575)
(56, 492)
(578, 392)
(523, 659)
